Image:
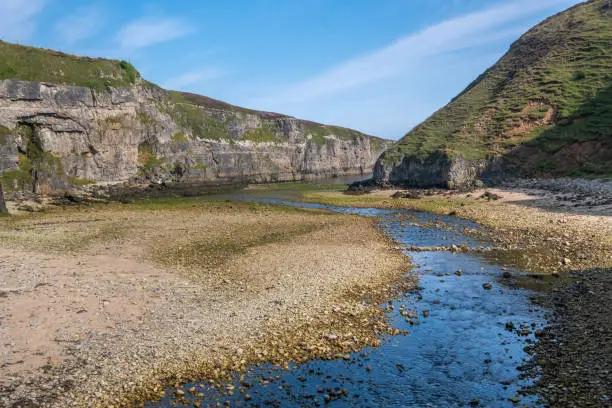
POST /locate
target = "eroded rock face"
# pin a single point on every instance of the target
(436, 170)
(81, 135)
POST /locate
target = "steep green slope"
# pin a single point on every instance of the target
(545, 98)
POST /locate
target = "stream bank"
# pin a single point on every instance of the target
(106, 304)
(468, 324)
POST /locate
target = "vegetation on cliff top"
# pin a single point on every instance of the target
(187, 110)
(41, 65)
(203, 117)
(551, 91)
(318, 132)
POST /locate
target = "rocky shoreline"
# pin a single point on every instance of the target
(560, 227)
(532, 228)
(573, 356)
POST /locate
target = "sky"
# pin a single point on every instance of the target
(379, 66)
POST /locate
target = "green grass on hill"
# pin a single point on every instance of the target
(193, 112)
(318, 133)
(551, 89)
(41, 65)
(197, 115)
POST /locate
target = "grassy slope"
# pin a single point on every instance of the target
(560, 68)
(188, 102)
(37, 64)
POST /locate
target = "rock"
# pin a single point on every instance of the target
(107, 135)
(3, 208)
(506, 275)
(566, 261)
(407, 194)
(487, 286)
(438, 169)
(458, 272)
(490, 196)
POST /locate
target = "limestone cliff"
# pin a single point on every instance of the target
(55, 136)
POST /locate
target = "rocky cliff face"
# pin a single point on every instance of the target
(57, 136)
(542, 110)
(437, 170)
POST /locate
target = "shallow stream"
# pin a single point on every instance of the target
(461, 354)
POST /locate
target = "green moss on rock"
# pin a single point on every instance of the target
(4, 133)
(147, 159)
(262, 134)
(180, 137)
(20, 178)
(80, 182)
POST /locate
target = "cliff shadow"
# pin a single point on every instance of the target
(576, 145)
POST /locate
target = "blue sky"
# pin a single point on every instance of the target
(380, 66)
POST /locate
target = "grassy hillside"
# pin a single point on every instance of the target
(41, 65)
(550, 93)
(186, 110)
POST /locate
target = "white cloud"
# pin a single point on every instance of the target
(451, 35)
(84, 23)
(187, 79)
(17, 19)
(149, 31)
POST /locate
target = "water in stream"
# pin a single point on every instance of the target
(459, 355)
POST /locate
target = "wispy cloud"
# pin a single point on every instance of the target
(83, 23)
(448, 36)
(181, 82)
(18, 19)
(145, 32)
